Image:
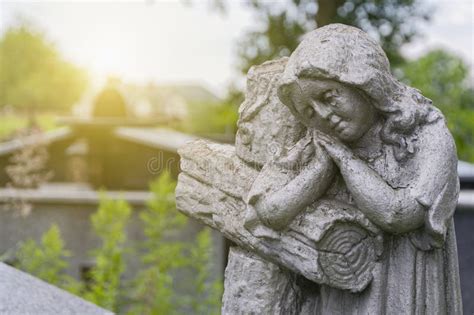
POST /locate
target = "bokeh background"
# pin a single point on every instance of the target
(96, 96)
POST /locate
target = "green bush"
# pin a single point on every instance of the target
(444, 78)
(153, 289)
(109, 224)
(211, 119)
(165, 255)
(47, 260)
(153, 286)
(207, 293)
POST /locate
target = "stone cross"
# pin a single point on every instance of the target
(366, 219)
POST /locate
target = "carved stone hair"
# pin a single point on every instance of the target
(348, 55)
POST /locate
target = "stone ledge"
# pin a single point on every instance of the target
(21, 293)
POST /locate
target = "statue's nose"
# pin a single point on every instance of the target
(323, 111)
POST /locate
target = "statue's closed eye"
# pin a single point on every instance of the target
(330, 97)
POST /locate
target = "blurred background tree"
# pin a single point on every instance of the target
(440, 75)
(282, 24)
(444, 78)
(34, 75)
(213, 120)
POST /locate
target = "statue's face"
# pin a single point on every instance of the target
(332, 107)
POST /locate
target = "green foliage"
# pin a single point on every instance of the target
(282, 24)
(34, 75)
(11, 123)
(153, 289)
(47, 260)
(109, 224)
(444, 78)
(211, 119)
(163, 256)
(207, 293)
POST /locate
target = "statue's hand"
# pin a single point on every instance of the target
(338, 151)
(256, 228)
(300, 154)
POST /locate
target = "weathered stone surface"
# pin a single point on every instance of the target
(331, 244)
(273, 290)
(354, 193)
(270, 285)
(23, 294)
(266, 128)
(217, 165)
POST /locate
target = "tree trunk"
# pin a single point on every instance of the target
(327, 11)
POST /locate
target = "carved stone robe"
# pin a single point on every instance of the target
(418, 271)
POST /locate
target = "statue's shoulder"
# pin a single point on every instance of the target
(434, 138)
(435, 162)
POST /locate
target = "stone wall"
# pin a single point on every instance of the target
(71, 212)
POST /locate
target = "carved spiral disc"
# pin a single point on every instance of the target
(347, 256)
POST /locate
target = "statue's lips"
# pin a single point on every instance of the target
(339, 126)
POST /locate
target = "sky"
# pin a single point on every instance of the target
(174, 42)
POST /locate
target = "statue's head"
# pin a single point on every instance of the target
(338, 80)
(333, 107)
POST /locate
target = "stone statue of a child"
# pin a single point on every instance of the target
(379, 146)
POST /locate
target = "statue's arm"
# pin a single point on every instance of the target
(278, 208)
(393, 210)
(397, 210)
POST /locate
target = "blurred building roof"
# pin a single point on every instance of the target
(118, 157)
(159, 138)
(51, 136)
(189, 92)
(170, 101)
(162, 138)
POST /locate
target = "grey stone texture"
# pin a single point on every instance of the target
(339, 192)
(208, 192)
(22, 294)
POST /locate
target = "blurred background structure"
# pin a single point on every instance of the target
(98, 96)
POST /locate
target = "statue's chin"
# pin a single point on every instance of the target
(345, 135)
(349, 134)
